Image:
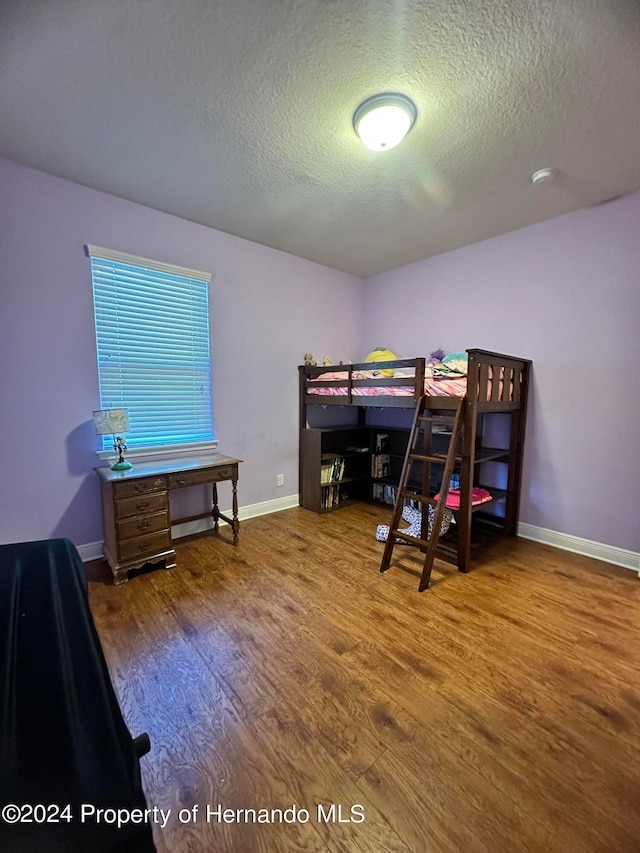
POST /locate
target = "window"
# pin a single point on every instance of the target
(152, 333)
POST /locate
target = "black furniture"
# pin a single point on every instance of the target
(63, 740)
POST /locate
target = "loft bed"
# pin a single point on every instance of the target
(494, 384)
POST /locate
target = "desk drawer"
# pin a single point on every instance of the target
(208, 475)
(141, 505)
(143, 525)
(141, 546)
(142, 486)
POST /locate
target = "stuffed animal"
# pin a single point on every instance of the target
(382, 354)
(326, 361)
(309, 359)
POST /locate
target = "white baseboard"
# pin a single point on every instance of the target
(187, 528)
(93, 550)
(90, 551)
(567, 542)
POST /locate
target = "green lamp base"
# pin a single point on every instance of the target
(121, 466)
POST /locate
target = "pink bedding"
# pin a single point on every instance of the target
(434, 387)
(435, 384)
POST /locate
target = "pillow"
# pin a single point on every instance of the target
(455, 356)
(457, 361)
(328, 377)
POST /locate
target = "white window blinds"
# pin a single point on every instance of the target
(152, 332)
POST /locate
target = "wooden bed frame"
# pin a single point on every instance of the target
(496, 383)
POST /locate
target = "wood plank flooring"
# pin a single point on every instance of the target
(498, 711)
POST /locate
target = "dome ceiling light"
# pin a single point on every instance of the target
(382, 121)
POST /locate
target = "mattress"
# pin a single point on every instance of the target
(432, 386)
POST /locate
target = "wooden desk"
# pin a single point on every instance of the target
(136, 512)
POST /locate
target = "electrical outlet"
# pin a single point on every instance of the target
(280, 480)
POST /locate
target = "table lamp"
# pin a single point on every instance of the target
(113, 421)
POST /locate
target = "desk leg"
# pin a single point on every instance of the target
(236, 523)
(214, 509)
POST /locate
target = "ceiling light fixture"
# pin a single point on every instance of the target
(384, 120)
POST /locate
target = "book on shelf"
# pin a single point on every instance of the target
(331, 496)
(384, 492)
(332, 472)
(380, 465)
(382, 442)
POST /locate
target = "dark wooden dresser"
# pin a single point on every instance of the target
(136, 512)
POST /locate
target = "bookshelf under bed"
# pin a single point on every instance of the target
(339, 464)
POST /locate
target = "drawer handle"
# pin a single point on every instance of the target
(180, 481)
(142, 525)
(144, 546)
(141, 487)
(142, 505)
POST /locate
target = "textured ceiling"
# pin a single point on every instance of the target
(237, 113)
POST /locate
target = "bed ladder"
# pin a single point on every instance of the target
(419, 449)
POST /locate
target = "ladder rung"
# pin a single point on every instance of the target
(412, 539)
(418, 457)
(442, 420)
(423, 499)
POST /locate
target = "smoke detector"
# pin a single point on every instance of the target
(543, 176)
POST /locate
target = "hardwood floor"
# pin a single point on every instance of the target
(498, 711)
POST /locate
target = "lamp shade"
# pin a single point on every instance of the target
(111, 421)
(383, 121)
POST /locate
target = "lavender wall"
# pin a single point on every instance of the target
(267, 309)
(565, 293)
